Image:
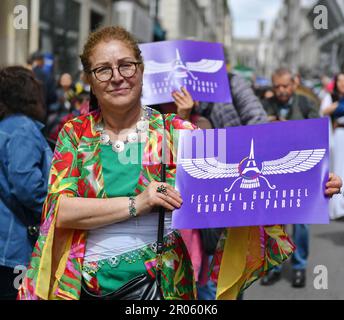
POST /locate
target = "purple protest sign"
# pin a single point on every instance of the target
(198, 66)
(254, 175)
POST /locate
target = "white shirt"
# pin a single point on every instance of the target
(118, 238)
(326, 102)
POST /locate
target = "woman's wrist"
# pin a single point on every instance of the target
(132, 207)
(341, 190)
(140, 205)
(184, 114)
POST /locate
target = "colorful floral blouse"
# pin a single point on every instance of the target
(243, 254)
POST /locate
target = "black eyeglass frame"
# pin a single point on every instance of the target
(135, 63)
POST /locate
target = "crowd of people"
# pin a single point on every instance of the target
(85, 223)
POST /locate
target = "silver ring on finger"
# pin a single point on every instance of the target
(162, 189)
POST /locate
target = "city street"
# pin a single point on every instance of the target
(326, 248)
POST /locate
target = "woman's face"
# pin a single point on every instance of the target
(340, 84)
(118, 91)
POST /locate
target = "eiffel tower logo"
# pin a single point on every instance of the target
(247, 170)
(250, 174)
(179, 69)
(251, 163)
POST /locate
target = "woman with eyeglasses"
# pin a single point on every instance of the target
(100, 217)
(101, 214)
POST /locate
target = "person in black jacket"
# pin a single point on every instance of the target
(245, 108)
(286, 104)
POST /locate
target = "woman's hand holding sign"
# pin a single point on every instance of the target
(333, 185)
(158, 194)
(184, 103)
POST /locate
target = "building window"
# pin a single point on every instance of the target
(59, 33)
(96, 20)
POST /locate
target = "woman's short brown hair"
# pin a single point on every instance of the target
(20, 92)
(108, 34)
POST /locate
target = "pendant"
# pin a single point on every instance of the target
(142, 125)
(114, 261)
(133, 137)
(143, 137)
(99, 127)
(118, 146)
(104, 138)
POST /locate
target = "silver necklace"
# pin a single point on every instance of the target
(133, 137)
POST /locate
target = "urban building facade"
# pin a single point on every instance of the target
(64, 25)
(136, 17)
(331, 39)
(297, 42)
(55, 27)
(309, 51)
(60, 27)
(246, 52)
(202, 20)
(293, 42)
(19, 30)
(251, 53)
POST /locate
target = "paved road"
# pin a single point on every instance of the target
(326, 248)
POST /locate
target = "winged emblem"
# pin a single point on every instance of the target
(179, 69)
(247, 170)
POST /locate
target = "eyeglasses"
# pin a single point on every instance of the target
(125, 69)
(284, 86)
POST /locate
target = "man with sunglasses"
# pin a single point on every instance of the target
(288, 105)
